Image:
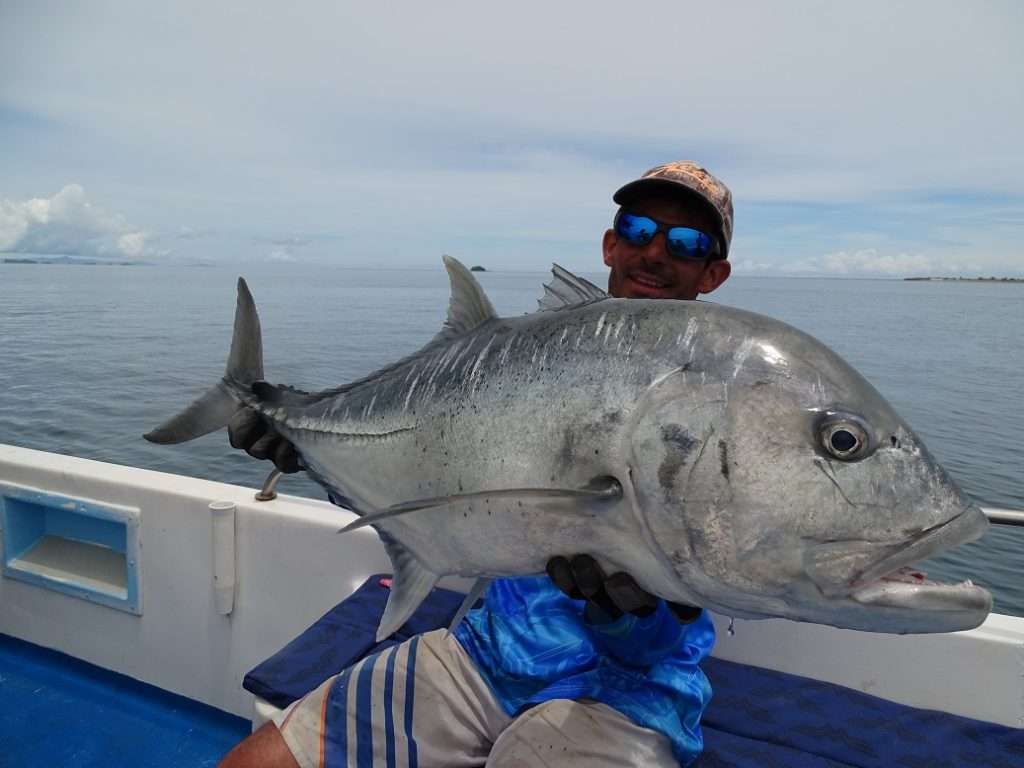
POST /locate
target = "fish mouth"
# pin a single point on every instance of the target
(891, 582)
(911, 589)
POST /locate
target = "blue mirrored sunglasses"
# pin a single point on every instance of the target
(680, 242)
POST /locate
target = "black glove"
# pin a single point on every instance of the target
(249, 431)
(608, 597)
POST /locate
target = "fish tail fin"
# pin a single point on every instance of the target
(245, 360)
(213, 409)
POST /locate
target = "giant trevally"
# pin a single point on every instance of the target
(722, 458)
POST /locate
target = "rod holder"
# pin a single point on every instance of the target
(269, 490)
(222, 514)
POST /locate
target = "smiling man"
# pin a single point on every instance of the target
(573, 668)
(670, 238)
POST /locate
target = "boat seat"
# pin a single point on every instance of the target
(340, 638)
(757, 717)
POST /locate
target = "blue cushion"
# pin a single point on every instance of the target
(341, 637)
(840, 726)
(757, 717)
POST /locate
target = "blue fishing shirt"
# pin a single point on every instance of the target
(531, 644)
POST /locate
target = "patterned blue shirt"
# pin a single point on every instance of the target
(531, 644)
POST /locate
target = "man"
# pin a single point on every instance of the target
(575, 668)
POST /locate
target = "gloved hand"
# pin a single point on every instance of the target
(249, 431)
(608, 598)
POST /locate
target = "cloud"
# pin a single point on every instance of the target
(281, 255)
(870, 262)
(752, 266)
(431, 126)
(290, 241)
(67, 224)
(284, 247)
(188, 233)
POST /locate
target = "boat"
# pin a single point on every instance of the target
(170, 589)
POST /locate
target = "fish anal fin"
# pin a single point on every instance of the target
(410, 587)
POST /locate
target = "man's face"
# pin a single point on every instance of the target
(648, 271)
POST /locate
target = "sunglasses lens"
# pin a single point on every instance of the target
(686, 243)
(638, 230)
(681, 242)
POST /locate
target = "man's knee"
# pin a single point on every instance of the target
(561, 732)
(265, 748)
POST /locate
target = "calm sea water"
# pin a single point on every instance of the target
(93, 356)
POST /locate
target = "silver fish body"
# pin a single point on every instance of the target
(722, 458)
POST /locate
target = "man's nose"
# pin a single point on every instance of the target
(655, 248)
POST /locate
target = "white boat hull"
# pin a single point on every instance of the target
(290, 567)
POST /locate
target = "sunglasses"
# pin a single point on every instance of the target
(681, 243)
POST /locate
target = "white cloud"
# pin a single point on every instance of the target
(281, 255)
(292, 241)
(869, 261)
(67, 224)
(752, 266)
(189, 233)
(431, 124)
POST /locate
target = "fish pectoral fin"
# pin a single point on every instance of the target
(601, 489)
(474, 594)
(567, 290)
(410, 586)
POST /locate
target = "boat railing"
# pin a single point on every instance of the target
(1004, 516)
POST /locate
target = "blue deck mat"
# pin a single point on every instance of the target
(59, 711)
(757, 718)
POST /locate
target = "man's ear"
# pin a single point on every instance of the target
(717, 272)
(607, 243)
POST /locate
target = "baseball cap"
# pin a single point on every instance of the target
(686, 178)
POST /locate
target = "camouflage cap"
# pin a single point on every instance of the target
(686, 178)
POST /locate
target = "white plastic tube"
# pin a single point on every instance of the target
(223, 536)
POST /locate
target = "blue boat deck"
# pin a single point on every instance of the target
(58, 711)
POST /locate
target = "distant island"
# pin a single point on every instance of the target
(477, 268)
(966, 279)
(68, 260)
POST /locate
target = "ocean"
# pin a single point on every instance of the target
(93, 356)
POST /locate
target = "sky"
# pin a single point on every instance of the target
(869, 139)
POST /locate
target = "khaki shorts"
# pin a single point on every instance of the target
(422, 704)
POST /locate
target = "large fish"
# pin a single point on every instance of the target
(722, 458)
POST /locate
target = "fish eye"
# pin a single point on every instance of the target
(844, 439)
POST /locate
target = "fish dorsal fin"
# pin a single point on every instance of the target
(567, 290)
(469, 307)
